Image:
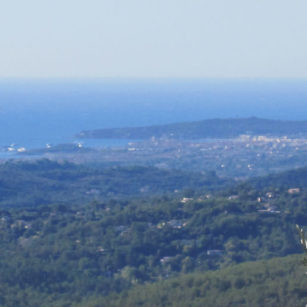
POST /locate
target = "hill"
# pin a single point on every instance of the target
(290, 183)
(70, 253)
(213, 128)
(296, 178)
(64, 255)
(277, 282)
(45, 182)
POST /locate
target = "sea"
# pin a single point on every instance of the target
(34, 113)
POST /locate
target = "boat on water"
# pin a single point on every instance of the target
(21, 149)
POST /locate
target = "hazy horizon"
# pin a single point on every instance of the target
(38, 112)
(155, 39)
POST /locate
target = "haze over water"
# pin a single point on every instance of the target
(33, 113)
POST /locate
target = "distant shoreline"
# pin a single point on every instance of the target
(210, 128)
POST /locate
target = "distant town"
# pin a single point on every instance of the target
(241, 157)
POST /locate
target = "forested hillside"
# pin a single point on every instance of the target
(64, 253)
(70, 253)
(45, 182)
(277, 282)
(292, 178)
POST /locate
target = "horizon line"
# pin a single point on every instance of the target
(153, 79)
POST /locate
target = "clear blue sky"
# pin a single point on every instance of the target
(153, 38)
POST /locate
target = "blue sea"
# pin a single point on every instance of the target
(36, 112)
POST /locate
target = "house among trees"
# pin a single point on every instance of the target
(294, 190)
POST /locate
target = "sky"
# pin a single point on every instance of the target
(153, 39)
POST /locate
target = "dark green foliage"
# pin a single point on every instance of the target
(292, 178)
(70, 253)
(45, 182)
(278, 282)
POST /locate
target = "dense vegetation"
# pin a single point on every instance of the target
(292, 178)
(65, 253)
(277, 282)
(45, 182)
(212, 128)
